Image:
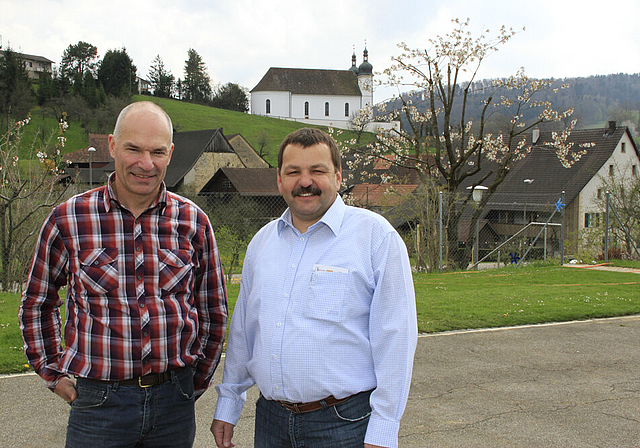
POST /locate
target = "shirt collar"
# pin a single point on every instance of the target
(110, 195)
(332, 217)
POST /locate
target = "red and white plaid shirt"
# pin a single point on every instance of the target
(144, 295)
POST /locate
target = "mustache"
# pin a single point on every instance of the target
(305, 190)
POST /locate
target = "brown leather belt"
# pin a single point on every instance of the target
(143, 381)
(301, 408)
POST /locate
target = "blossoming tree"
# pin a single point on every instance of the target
(442, 143)
(27, 192)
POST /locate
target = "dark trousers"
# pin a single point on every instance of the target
(113, 415)
(340, 426)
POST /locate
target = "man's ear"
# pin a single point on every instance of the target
(112, 146)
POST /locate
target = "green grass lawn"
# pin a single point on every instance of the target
(461, 300)
(527, 295)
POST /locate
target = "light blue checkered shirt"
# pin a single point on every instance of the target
(328, 312)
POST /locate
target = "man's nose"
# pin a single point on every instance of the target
(145, 161)
(305, 180)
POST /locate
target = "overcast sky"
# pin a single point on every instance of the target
(240, 39)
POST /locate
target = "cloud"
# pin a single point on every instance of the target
(239, 40)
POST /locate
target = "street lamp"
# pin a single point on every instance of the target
(91, 150)
(477, 193)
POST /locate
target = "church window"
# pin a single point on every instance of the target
(268, 106)
(306, 109)
(326, 109)
(346, 109)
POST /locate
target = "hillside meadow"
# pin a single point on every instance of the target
(259, 131)
(455, 301)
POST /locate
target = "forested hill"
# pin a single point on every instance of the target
(595, 99)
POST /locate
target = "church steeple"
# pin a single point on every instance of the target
(353, 67)
(365, 68)
(365, 79)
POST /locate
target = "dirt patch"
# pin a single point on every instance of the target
(603, 267)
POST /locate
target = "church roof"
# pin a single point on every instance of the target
(309, 81)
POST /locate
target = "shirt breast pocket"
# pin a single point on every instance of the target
(328, 293)
(175, 269)
(98, 271)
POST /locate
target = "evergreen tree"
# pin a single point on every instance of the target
(117, 74)
(179, 90)
(79, 58)
(161, 79)
(16, 97)
(196, 84)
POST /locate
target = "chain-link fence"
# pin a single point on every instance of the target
(448, 232)
(441, 231)
(514, 228)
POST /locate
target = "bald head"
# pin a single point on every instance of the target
(141, 106)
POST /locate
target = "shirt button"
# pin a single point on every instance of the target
(279, 324)
(139, 277)
(138, 249)
(142, 305)
(293, 265)
(301, 239)
(275, 356)
(286, 294)
(277, 387)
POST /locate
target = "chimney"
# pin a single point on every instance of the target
(612, 127)
(535, 136)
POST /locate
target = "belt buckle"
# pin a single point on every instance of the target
(142, 385)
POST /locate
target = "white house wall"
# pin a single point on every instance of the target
(284, 105)
(280, 104)
(622, 163)
(317, 103)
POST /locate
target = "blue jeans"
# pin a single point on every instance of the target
(112, 415)
(340, 426)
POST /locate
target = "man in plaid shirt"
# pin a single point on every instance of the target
(146, 305)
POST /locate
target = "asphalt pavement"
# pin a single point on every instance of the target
(573, 384)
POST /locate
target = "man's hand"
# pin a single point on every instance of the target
(223, 433)
(66, 389)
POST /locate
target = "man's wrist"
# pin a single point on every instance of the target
(52, 383)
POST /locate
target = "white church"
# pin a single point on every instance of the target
(315, 96)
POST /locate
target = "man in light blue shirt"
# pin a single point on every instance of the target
(325, 324)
